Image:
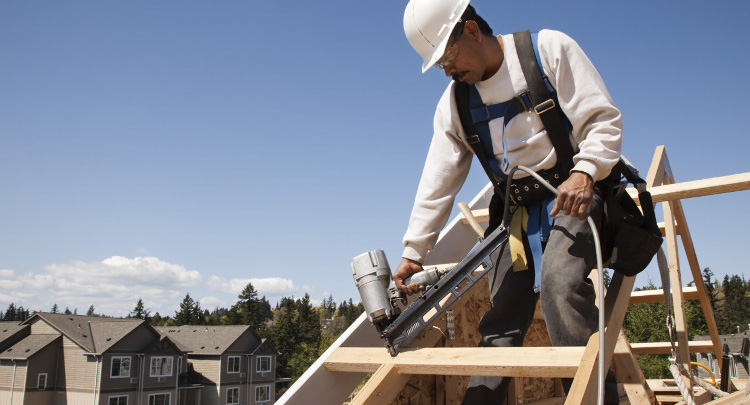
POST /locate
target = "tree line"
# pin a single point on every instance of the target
(301, 332)
(730, 302)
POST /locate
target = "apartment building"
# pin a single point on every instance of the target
(232, 363)
(59, 359)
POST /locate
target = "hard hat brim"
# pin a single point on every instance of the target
(430, 59)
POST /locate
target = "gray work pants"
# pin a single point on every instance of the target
(568, 298)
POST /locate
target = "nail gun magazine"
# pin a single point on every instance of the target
(383, 302)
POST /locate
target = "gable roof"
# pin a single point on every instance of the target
(106, 332)
(267, 345)
(11, 332)
(28, 347)
(207, 340)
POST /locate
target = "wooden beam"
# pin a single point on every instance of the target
(695, 346)
(487, 361)
(697, 188)
(687, 244)
(382, 388)
(657, 296)
(656, 170)
(736, 398)
(692, 258)
(585, 384)
(629, 373)
(675, 280)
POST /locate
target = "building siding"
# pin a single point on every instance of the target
(13, 381)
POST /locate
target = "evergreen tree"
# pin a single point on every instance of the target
(308, 322)
(10, 313)
(140, 311)
(710, 287)
(190, 312)
(328, 307)
(251, 310)
(284, 335)
(91, 312)
(157, 320)
(54, 309)
(735, 310)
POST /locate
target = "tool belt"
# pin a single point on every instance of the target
(529, 190)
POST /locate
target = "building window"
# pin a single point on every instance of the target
(733, 367)
(233, 396)
(263, 393)
(233, 364)
(161, 366)
(119, 400)
(263, 364)
(41, 382)
(120, 366)
(159, 399)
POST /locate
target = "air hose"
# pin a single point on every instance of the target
(599, 267)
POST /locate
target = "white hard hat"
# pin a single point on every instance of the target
(428, 25)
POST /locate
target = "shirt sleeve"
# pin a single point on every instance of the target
(446, 167)
(597, 123)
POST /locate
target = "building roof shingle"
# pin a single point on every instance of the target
(106, 332)
(28, 347)
(206, 340)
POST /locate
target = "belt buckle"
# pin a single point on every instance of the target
(544, 106)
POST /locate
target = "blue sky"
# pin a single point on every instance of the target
(150, 149)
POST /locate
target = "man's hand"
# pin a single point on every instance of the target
(574, 196)
(406, 268)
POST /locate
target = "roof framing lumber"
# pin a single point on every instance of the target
(697, 188)
(695, 346)
(669, 192)
(657, 296)
(487, 361)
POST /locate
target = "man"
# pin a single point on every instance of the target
(450, 35)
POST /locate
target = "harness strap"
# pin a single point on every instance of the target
(461, 90)
(544, 98)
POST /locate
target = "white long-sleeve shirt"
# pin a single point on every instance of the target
(596, 137)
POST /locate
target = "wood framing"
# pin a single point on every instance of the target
(436, 370)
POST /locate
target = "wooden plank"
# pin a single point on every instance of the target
(382, 388)
(629, 373)
(697, 188)
(675, 280)
(694, 346)
(657, 296)
(487, 361)
(481, 215)
(695, 269)
(585, 383)
(736, 398)
(656, 170)
(687, 243)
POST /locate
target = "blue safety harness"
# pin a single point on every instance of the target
(539, 222)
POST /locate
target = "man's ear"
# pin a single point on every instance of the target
(472, 30)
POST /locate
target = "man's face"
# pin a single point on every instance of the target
(460, 60)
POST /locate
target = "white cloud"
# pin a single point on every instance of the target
(112, 285)
(271, 286)
(7, 273)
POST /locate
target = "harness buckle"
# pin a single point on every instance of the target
(544, 106)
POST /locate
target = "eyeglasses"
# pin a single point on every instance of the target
(448, 58)
(451, 51)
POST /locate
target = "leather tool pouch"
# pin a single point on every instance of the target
(631, 237)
